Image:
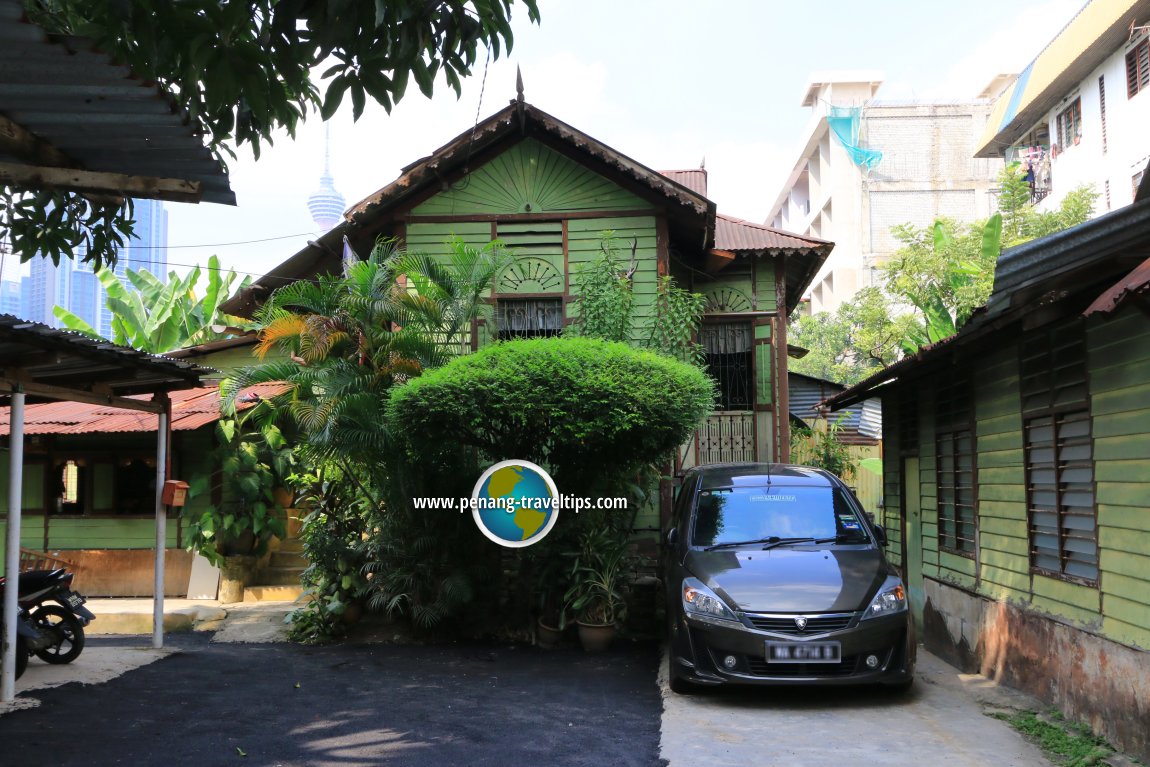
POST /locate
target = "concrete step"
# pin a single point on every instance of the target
(283, 558)
(134, 616)
(291, 546)
(273, 593)
(279, 576)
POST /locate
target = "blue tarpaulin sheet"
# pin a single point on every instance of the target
(845, 122)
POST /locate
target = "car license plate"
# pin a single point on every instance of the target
(75, 600)
(804, 652)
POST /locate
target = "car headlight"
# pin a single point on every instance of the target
(890, 599)
(700, 601)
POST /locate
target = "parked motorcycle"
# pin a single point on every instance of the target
(29, 639)
(54, 611)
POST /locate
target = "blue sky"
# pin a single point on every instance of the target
(667, 82)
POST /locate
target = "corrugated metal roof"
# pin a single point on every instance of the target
(53, 357)
(1137, 283)
(694, 179)
(1096, 32)
(97, 113)
(859, 422)
(736, 234)
(191, 409)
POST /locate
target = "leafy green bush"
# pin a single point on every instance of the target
(591, 411)
(254, 459)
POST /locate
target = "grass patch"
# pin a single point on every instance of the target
(1068, 743)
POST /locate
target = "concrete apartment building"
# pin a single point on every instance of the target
(1078, 114)
(866, 165)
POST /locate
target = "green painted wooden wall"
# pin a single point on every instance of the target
(530, 178)
(1118, 608)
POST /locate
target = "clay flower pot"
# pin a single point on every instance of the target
(596, 637)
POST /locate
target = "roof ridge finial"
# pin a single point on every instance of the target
(518, 84)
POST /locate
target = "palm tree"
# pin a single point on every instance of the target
(344, 341)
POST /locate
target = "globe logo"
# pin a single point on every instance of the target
(514, 503)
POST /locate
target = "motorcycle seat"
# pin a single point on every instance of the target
(34, 580)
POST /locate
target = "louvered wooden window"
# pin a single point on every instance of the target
(954, 465)
(1138, 68)
(1059, 454)
(1102, 111)
(1069, 124)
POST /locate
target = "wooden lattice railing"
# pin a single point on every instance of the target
(39, 560)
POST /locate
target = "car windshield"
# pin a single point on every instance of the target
(751, 514)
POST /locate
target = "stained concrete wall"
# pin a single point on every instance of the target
(1088, 678)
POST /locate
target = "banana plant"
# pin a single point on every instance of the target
(157, 317)
(942, 314)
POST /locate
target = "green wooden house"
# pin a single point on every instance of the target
(548, 192)
(1017, 476)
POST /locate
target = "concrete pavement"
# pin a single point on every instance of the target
(942, 719)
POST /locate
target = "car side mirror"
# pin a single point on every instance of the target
(880, 535)
(671, 538)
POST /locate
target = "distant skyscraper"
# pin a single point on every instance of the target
(47, 286)
(326, 204)
(75, 287)
(9, 282)
(147, 250)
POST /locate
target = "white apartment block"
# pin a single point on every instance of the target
(1080, 112)
(867, 165)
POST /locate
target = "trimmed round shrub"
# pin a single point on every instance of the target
(588, 410)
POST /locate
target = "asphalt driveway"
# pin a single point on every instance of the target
(281, 704)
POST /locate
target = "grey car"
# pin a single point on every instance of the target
(775, 575)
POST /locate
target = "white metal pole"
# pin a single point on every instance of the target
(12, 552)
(161, 532)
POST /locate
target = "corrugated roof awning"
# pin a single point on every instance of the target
(71, 118)
(60, 364)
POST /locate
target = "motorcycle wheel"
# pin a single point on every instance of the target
(21, 656)
(67, 627)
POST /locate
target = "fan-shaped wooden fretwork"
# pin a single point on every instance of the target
(530, 275)
(722, 300)
(530, 178)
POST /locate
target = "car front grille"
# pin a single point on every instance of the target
(816, 624)
(760, 667)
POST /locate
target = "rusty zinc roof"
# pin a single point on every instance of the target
(694, 179)
(735, 234)
(191, 409)
(1133, 285)
(87, 112)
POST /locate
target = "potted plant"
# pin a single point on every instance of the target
(234, 532)
(597, 594)
(551, 585)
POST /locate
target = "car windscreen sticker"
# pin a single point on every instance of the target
(774, 498)
(849, 523)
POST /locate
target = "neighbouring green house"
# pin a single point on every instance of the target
(1017, 476)
(89, 484)
(548, 192)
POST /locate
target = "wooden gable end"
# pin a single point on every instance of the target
(530, 178)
